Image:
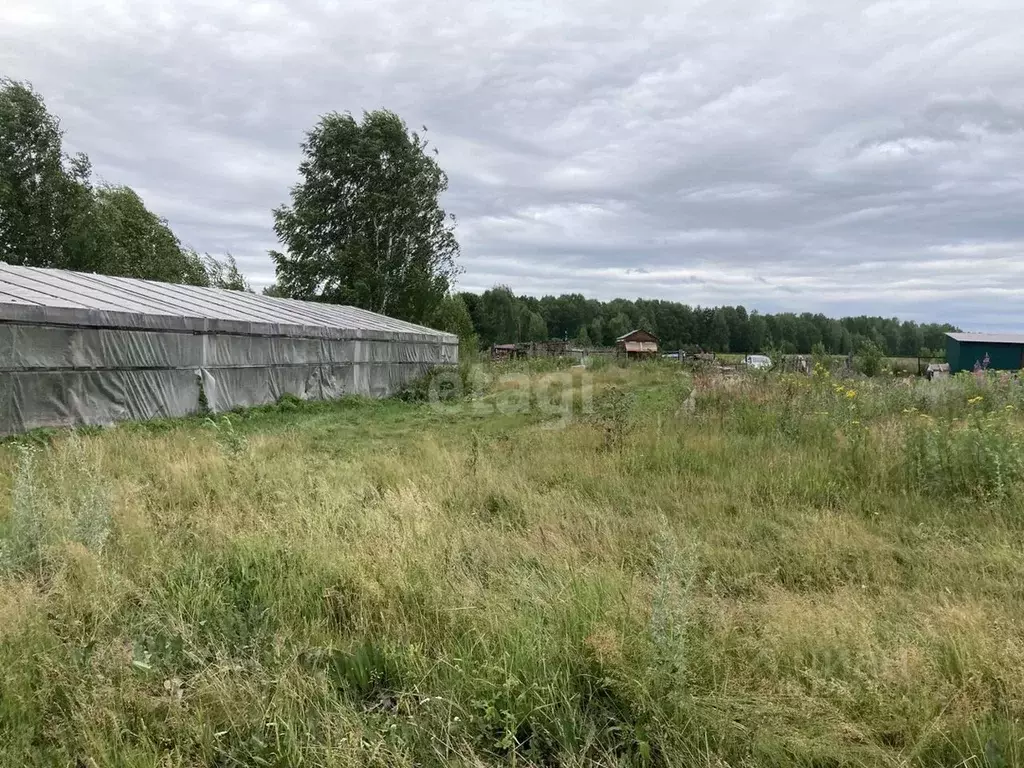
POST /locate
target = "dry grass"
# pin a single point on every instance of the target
(761, 582)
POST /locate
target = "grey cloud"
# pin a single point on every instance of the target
(843, 157)
(965, 117)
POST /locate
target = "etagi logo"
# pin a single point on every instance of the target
(556, 397)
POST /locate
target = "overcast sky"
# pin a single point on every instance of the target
(846, 157)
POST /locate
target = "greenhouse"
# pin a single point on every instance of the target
(80, 348)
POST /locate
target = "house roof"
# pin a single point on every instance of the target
(988, 338)
(625, 336)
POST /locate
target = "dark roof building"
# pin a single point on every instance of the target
(996, 351)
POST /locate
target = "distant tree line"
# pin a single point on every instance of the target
(364, 226)
(52, 213)
(499, 316)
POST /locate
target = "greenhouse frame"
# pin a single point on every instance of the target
(80, 348)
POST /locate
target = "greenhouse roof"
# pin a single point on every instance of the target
(60, 297)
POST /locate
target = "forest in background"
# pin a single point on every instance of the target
(499, 316)
(383, 179)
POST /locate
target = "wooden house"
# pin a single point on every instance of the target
(638, 343)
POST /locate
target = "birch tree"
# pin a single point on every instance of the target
(365, 225)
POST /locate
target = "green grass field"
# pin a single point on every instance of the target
(780, 571)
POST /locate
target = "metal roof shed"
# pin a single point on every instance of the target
(1005, 351)
(78, 348)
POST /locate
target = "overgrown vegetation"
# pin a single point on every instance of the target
(764, 570)
(870, 358)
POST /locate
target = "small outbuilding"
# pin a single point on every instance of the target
(638, 343)
(994, 351)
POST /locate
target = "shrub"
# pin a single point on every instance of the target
(869, 359)
(232, 442)
(903, 366)
(442, 382)
(613, 416)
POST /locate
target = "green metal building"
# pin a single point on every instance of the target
(1005, 351)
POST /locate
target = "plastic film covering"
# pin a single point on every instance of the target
(89, 349)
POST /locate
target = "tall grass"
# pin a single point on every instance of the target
(778, 574)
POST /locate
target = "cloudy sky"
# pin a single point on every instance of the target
(838, 156)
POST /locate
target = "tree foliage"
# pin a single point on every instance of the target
(718, 332)
(365, 226)
(498, 314)
(535, 327)
(44, 193)
(132, 241)
(51, 215)
(869, 358)
(225, 274)
(451, 315)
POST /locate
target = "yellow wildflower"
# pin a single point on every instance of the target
(851, 393)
